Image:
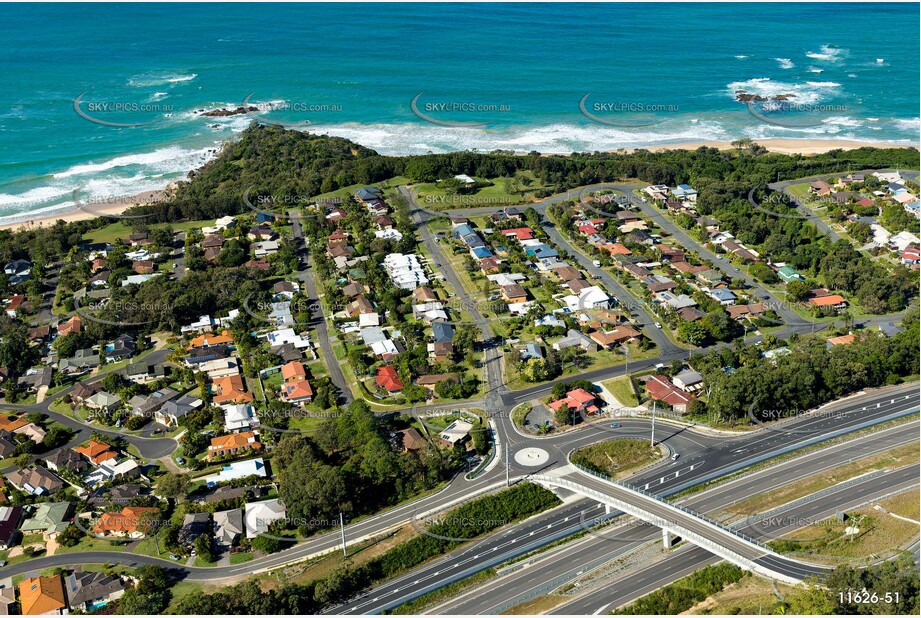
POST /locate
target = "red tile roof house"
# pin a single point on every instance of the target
(388, 380)
(836, 302)
(661, 389)
(296, 388)
(521, 233)
(578, 400)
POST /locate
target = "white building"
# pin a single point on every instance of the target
(239, 417)
(405, 270)
(259, 515)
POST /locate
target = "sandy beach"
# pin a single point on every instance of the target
(89, 211)
(787, 146)
(783, 146)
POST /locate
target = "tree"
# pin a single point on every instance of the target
(763, 273)
(203, 548)
(266, 544)
(173, 485)
(798, 290)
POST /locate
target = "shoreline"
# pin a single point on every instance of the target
(776, 145)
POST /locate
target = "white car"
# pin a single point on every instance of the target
(658, 325)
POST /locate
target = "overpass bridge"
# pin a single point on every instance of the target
(675, 520)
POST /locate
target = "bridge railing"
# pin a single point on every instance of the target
(684, 509)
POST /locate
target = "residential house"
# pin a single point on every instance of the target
(575, 338)
(388, 380)
(724, 296)
(193, 526)
(577, 401)
(90, 590)
(228, 528)
(738, 312)
(609, 339)
(171, 412)
(661, 389)
(442, 332)
(35, 480)
(788, 274)
(834, 302)
(230, 389)
(103, 401)
(513, 293)
(239, 417)
(440, 351)
(15, 304)
(132, 522)
(688, 380)
(47, 518)
(70, 327)
(42, 596)
(458, 431)
(411, 441)
(65, 459)
(238, 470)
(96, 452)
(144, 373)
(260, 515)
(10, 516)
(295, 387)
(121, 348)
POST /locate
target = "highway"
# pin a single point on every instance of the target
(704, 463)
(608, 544)
(691, 558)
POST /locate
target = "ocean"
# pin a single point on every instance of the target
(554, 78)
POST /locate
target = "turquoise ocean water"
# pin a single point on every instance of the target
(653, 73)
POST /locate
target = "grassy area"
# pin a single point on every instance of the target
(894, 458)
(122, 229)
(240, 557)
(535, 606)
(749, 596)
(444, 593)
(349, 190)
(493, 192)
(617, 458)
(623, 390)
(879, 534)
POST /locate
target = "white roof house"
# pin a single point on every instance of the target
(368, 319)
(239, 416)
(680, 301)
(287, 335)
(259, 515)
(221, 367)
(592, 297)
(137, 279)
(237, 470)
(456, 431)
(202, 324)
(265, 247)
(405, 270)
(385, 348)
(464, 178)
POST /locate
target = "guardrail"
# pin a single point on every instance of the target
(679, 507)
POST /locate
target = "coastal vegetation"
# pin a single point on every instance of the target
(740, 378)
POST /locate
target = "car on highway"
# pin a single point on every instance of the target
(658, 325)
(675, 456)
(596, 263)
(615, 425)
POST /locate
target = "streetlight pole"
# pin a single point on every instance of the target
(652, 436)
(508, 480)
(345, 553)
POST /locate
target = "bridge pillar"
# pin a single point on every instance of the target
(607, 509)
(666, 538)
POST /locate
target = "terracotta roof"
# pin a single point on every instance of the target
(827, 301)
(297, 390)
(661, 389)
(388, 379)
(96, 452)
(73, 325)
(131, 519)
(41, 595)
(293, 371)
(246, 439)
(231, 389)
(842, 340)
(209, 339)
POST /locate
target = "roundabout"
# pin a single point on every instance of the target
(532, 457)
